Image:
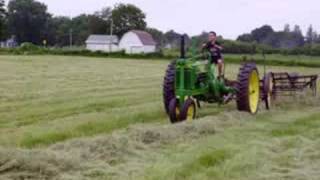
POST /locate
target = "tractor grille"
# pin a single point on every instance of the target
(187, 80)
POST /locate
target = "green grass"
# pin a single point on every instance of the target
(54, 98)
(277, 59)
(246, 151)
(202, 163)
(46, 99)
(95, 118)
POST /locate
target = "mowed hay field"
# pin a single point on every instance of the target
(96, 118)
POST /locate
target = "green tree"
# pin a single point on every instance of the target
(105, 13)
(158, 36)
(262, 33)
(318, 39)
(297, 29)
(2, 19)
(127, 17)
(59, 28)
(311, 35)
(245, 38)
(102, 20)
(298, 36)
(201, 39)
(28, 20)
(287, 28)
(281, 39)
(173, 38)
(97, 25)
(80, 29)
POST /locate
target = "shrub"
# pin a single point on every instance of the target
(26, 46)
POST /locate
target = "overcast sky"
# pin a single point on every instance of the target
(228, 18)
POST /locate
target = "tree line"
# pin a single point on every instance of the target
(30, 21)
(285, 39)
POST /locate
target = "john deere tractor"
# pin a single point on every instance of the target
(188, 81)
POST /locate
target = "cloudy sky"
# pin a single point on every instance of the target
(227, 17)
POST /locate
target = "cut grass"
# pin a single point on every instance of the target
(200, 164)
(249, 151)
(298, 127)
(93, 118)
(226, 146)
(54, 98)
(90, 129)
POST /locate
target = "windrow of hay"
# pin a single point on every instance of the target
(82, 157)
(35, 164)
(291, 158)
(107, 155)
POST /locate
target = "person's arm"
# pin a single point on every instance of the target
(204, 46)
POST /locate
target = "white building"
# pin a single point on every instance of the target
(135, 42)
(104, 43)
(9, 43)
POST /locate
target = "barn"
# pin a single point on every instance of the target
(104, 43)
(135, 42)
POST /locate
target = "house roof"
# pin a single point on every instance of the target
(102, 39)
(145, 37)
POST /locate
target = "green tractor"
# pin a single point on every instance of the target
(188, 81)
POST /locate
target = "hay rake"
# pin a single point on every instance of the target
(287, 84)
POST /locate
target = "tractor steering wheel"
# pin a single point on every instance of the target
(205, 54)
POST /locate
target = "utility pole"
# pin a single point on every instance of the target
(111, 33)
(111, 30)
(70, 37)
(111, 27)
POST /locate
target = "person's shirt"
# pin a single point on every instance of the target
(214, 51)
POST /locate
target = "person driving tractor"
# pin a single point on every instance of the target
(215, 49)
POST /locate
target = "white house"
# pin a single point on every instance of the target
(104, 43)
(9, 43)
(135, 42)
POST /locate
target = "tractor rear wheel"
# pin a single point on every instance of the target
(188, 111)
(248, 96)
(168, 85)
(268, 90)
(174, 111)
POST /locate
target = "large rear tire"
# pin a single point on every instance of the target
(168, 85)
(248, 96)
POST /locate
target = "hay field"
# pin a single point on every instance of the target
(94, 118)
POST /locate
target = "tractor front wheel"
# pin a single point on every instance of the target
(188, 111)
(174, 111)
(248, 96)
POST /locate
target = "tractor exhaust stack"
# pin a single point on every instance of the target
(182, 48)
